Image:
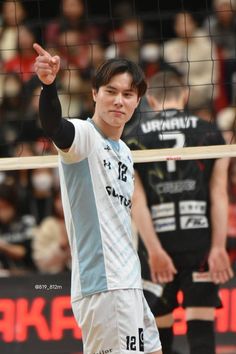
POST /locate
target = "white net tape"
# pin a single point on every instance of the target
(175, 154)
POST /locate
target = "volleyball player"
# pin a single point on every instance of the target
(96, 175)
(180, 210)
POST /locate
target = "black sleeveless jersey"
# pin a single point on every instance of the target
(177, 191)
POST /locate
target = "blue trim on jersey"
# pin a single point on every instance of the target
(86, 226)
(115, 144)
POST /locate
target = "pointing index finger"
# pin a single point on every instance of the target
(40, 50)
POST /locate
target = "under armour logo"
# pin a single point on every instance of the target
(129, 159)
(107, 164)
(107, 148)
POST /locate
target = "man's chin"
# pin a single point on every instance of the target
(117, 122)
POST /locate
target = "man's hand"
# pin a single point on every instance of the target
(46, 66)
(219, 265)
(161, 266)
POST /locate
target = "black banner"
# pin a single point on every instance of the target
(36, 316)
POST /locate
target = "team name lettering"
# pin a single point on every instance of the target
(105, 351)
(123, 200)
(169, 124)
(175, 187)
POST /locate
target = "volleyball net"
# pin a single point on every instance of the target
(196, 41)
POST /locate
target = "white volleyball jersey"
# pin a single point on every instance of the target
(97, 181)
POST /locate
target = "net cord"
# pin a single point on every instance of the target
(139, 156)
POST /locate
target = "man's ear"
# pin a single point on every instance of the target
(94, 94)
(138, 101)
(186, 96)
(152, 101)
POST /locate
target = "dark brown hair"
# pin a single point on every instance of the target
(166, 85)
(116, 66)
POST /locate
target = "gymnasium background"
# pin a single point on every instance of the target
(35, 312)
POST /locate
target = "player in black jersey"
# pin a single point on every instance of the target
(181, 216)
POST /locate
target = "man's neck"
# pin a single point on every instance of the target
(108, 131)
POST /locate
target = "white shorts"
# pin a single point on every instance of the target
(117, 322)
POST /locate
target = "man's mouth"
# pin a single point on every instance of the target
(117, 112)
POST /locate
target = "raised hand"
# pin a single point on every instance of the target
(46, 66)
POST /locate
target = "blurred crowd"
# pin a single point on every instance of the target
(202, 49)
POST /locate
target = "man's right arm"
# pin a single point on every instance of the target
(60, 130)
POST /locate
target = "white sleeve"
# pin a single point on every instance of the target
(83, 144)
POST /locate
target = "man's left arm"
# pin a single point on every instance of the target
(219, 263)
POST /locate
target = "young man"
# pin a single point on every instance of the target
(96, 177)
(180, 210)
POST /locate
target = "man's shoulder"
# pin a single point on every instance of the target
(124, 146)
(77, 122)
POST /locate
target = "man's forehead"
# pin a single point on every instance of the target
(123, 81)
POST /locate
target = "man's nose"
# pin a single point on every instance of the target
(118, 99)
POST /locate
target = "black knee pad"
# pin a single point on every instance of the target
(201, 337)
(166, 337)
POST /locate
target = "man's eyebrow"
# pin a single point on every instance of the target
(131, 89)
(110, 87)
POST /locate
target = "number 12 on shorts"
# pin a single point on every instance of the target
(131, 341)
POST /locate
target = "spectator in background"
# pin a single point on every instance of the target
(15, 234)
(51, 252)
(73, 81)
(194, 55)
(96, 56)
(72, 18)
(39, 194)
(12, 15)
(30, 129)
(79, 59)
(221, 27)
(126, 39)
(72, 92)
(22, 62)
(151, 59)
(35, 187)
(11, 111)
(19, 121)
(73, 47)
(18, 178)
